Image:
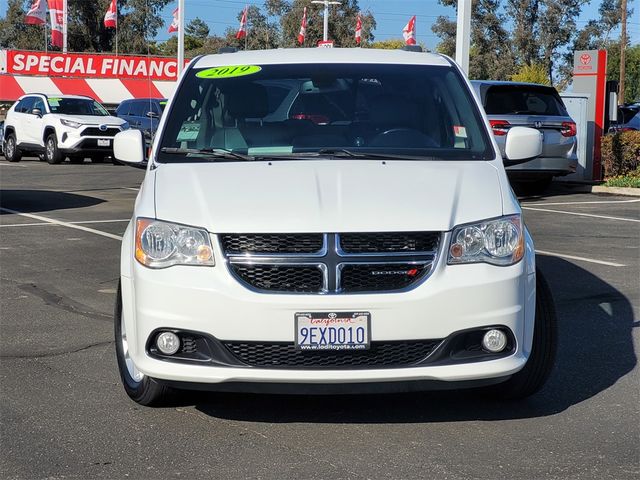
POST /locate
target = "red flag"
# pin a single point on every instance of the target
(56, 13)
(111, 17)
(242, 30)
(37, 14)
(358, 29)
(303, 27)
(175, 23)
(409, 32)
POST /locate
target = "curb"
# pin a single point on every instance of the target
(632, 192)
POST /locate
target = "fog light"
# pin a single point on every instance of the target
(494, 341)
(168, 343)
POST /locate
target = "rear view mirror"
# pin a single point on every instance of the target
(152, 115)
(37, 111)
(522, 144)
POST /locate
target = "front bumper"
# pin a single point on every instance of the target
(211, 301)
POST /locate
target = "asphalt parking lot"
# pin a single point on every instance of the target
(65, 415)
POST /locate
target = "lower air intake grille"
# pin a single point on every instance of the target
(284, 355)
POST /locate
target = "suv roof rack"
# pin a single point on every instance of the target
(227, 50)
(412, 48)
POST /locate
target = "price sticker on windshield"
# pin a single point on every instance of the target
(230, 71)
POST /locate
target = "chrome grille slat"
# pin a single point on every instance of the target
(276, 263)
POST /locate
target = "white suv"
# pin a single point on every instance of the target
(329, 220)
(60, 126)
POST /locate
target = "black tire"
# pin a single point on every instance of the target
(545, 338)
(11, 150)
(535, 187)
(97, 159)
(146, 391)
(51, 152)
(76, 160)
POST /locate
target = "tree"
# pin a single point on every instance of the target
(534, 73)
(490, 53)
(525, 16)
(196, 34)
(262, 33)
(391, 44)
(138, 23)
(632, 69)
(16, 34)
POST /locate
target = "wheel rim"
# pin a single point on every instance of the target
(131, 368)
(50, 149)
(10, 147)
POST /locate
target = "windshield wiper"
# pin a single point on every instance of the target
(339, 153)
(207, 152)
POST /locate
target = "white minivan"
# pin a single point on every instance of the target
(327, 221)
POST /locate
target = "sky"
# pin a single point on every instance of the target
(391, 16)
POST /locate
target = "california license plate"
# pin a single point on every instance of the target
(103, 142)
(332, 330)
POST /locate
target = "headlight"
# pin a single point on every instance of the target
(70, 123)
(125, 126)
(499, 241)
(162, 244)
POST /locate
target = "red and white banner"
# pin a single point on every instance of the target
(37, 14)
(85, 65)
(56, 12)
(358, 29)
(175, 23)
(409, 31)
(111, 17)
(303, 27)
(242, 30)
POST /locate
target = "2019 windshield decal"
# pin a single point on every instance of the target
(230, 71)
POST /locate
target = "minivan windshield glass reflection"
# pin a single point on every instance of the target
(310, 110)
(76, 106)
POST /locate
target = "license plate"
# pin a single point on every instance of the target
(103, 143)
(332, 330)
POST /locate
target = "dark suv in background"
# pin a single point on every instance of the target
(142, 114)
(510, 104)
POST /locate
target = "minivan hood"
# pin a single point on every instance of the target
(327, 196)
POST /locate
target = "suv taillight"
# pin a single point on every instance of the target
(499, 127)
(568, 129)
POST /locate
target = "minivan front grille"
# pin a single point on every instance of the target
(331, 263)
(284, 355)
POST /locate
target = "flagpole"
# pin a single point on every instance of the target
(64, 25)
(180, 36)
(246, 26)
(46, 44)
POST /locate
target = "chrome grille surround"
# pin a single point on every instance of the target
(395, 271)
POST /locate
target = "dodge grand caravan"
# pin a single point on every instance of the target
(329, 220)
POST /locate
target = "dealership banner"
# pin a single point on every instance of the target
(89, 66)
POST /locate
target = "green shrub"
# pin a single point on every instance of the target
(620, 153)
(630, 180)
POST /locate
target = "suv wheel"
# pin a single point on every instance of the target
(140, 388)
(51, 152)
(538, 367)
(11, 150)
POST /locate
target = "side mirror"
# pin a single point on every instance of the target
(36, 111)
(522, 144)
(128, 147)
(152, 115)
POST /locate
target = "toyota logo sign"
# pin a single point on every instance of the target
(585, 59)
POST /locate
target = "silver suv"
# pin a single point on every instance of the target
(510, 104)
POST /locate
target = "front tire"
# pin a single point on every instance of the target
(51, 152)
(11, 150)
(533, 376)
(140, 388)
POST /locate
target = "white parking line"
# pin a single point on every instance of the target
(621, 219)
(582, 203)
(582, 259)
(12, 165)
(72, 223)
(63, 224)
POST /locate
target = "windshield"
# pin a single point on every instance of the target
(417, 111)
(76, 106)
